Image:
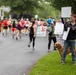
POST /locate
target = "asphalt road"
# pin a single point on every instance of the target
(15, 56)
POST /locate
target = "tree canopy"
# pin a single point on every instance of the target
(64, 3)
(30, 7)
(21, 6)
(47, 11)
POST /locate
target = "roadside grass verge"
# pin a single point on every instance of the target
(50, 65)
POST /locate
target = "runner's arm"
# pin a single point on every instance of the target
(29, 26)
(35, 29)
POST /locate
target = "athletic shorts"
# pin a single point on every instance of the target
(26, 27)
(13, 29)
(5, 27)
(19, 28)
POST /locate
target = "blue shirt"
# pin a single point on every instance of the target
(49, 21)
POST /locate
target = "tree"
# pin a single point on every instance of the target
(21, 6)
(30, 7)
(47, 10)
(64, 3)
(33, 7)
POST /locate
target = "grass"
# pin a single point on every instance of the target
(50, 65)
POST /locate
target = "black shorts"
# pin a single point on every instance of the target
(26, 27)
(19, 28)
(5, 27)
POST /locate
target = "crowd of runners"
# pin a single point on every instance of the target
(17, 27)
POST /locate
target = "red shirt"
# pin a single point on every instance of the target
(0, 24)
(5, 22)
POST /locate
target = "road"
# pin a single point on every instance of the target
(15, 56)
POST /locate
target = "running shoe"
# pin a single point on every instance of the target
(33, 48)
(13, 35)
(20, 36)
(48, 50)
(29, 45)
(16, 38)
(3, 34)
(6, 33)
(63, 62)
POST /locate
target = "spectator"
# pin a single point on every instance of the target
(70, 41)
(51, 35)
(49, 21)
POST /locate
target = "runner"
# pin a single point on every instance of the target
(14, 28)
(51, 35)
(26, 26)
(19, 28)
(32, 33)
(38, 22)
(49, 20)
(9, 23)
(5, 26)
(22, 23)
(0, 26)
